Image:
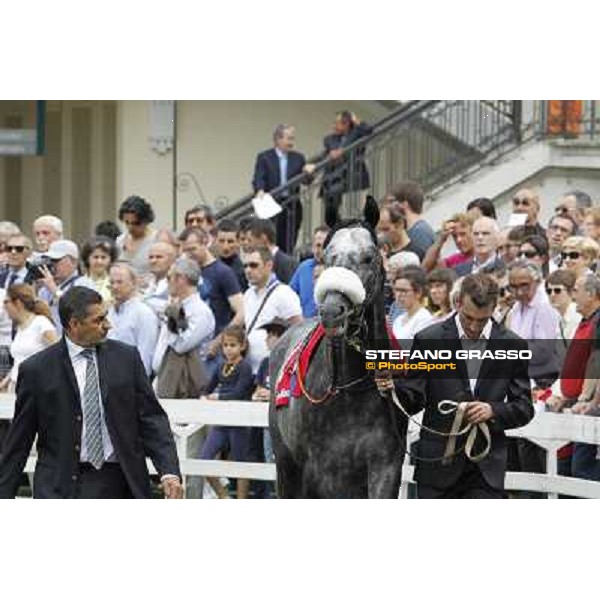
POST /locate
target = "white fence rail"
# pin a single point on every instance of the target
(188, 417)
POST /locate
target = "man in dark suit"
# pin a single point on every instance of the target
(274, 168)
(96, 418)
(494, 395)
(347, 171)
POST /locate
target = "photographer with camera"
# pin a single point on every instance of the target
(58, 271)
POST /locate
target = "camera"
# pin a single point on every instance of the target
(33, 267)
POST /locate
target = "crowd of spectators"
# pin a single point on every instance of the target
(205, 305)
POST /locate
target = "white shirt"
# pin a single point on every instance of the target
(28, 341)
(283, 303)
(134, 323)
(569, 322)
(484, 335)
(5, 322)
(79, 363)
(405, 327)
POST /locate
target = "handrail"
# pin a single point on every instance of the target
(402, 115)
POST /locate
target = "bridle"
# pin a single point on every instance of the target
(358, 327)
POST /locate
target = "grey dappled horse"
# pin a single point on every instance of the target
(345, 440)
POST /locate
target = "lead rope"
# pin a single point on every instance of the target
(447, 407)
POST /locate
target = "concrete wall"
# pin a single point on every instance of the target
(216, 145)
(552, 167)
(99, 152)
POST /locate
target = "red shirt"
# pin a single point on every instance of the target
(572, 375)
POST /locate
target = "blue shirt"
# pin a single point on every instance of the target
(283, 162)
(136, 324)
(52, 301)
(218, 284)
(237, 385)
(303, 284)
(421, 235)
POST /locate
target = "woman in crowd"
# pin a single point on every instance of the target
(591, 223)
(394, 265)
(134, 246)
(559, 287)
(410, 289)
(440, 282)
(97, 254)
(579, 254)
(34, 328)
(535, 248)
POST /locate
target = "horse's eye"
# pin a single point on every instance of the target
(368, 260)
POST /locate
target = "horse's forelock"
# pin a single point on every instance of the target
(350, 224)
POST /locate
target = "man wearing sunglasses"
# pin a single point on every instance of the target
(574, 205)
(18, 249)
(560, 227)
(527, 202)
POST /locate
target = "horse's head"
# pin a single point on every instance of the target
(353, 274)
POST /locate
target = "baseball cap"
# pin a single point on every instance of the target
(277, 325)
(62, 248)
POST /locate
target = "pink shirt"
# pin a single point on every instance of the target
(456, 259)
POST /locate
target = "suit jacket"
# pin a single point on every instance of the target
(350, 173)
(502, 383)
(267, 176)
(49, 405)
(466, 267)
(283, 266)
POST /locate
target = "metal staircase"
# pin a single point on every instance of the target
(433, 142)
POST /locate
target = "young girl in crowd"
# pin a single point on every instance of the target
(233, 381)
(97, 254)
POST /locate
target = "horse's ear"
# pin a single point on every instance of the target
(330, 218)
(371, 211)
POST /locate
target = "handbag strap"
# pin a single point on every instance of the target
(260, 308)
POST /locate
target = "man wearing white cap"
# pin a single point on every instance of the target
(61, 276)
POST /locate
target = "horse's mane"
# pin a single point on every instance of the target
(349, 224)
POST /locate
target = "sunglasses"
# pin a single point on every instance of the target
(528, 254)
(520, 202)
(251, 265)
(18, 249)
(570, 255)
(555, 290)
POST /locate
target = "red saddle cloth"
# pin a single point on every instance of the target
(297, 365)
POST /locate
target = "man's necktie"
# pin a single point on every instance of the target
(91, 412)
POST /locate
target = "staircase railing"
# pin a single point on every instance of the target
(428, 141)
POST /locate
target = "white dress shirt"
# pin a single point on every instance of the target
(79, 363)
(462, 336)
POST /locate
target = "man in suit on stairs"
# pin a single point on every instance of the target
(274, 168)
